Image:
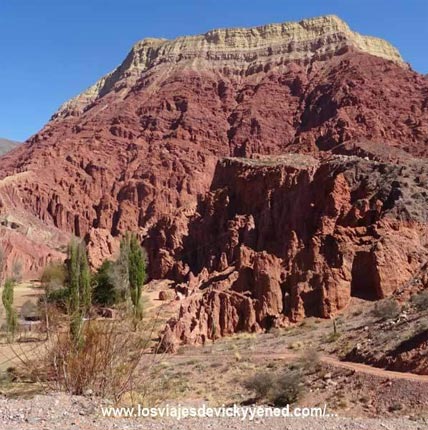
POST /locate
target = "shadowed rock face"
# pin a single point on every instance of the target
(135, 150)
(280, 238)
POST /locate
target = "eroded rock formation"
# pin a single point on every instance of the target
(280, 238)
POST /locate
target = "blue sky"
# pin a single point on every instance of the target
(53, 49)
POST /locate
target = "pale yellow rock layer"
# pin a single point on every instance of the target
(236, 50)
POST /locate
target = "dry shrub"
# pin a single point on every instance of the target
(155, 386)
(112, 360)
(278, 388)
(420, 301)
(51, 317)
(310, 361)
(104, 363)
(167, 295)
(387, 309)
(287, 388)
(260, 384)
(30, 311)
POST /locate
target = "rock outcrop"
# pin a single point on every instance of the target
(281, 238)
(136, 150)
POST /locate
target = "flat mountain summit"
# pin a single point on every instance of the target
(236, 51)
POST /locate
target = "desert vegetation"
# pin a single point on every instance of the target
(86, 337)
(11, 315)
(115, 356)
(387, 309)
(93, 336)
(278, 388)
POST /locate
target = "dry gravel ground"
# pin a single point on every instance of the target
(62, 412)
(363, 397)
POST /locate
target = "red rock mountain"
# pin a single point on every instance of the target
(184, 118)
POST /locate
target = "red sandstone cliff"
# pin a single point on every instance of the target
(280, 238)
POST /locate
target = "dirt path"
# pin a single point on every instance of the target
(332, 361)
(375, 371)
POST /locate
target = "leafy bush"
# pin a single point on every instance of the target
(279, 388)
(105, 292)
(387, 309)
(53, 281)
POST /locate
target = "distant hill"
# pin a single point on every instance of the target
(7, 145)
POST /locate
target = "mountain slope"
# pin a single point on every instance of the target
(135, 150)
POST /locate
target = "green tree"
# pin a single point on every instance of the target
(7, 298)
(79, 285)
(132, 262)
(122, 263)
(137, 274)
(84, 282)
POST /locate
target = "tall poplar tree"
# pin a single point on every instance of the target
(79, 284)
